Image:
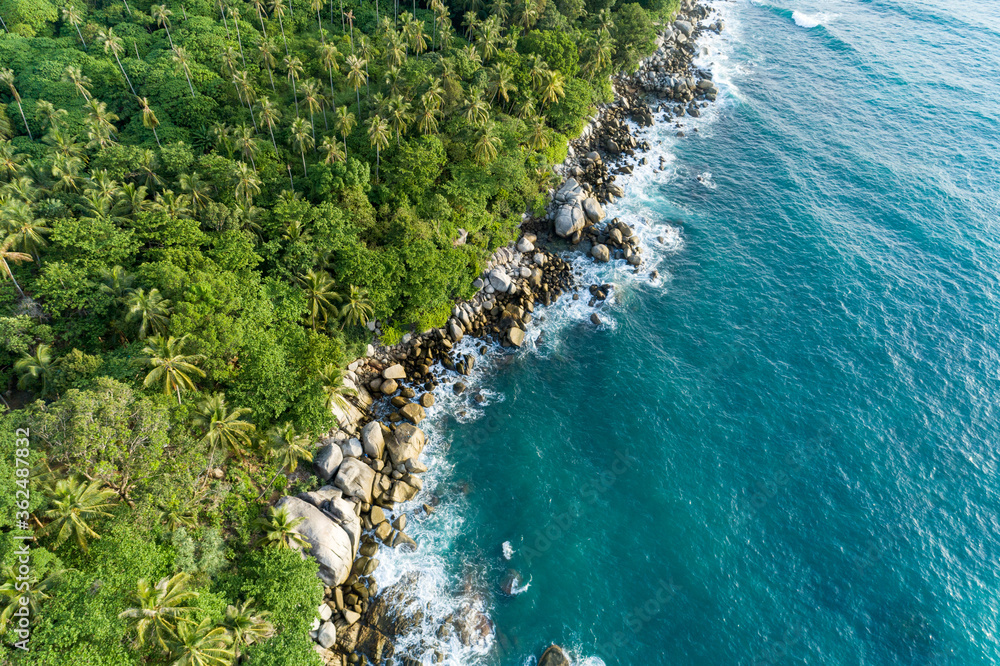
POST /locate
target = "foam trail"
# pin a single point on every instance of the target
(804, 20)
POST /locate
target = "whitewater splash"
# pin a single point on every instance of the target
(804, 20)
(447, 589)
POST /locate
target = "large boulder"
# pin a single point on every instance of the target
(413, 412)
(600, 252)
(499, 280)
(516, 336)
(406, 442)
(355, 478)
(327, 460)
(554, 656)
(592, 209)
(327, 635)
(395, 371)
(684, 27)
(569, 219)
(330, 544)
(372, 439)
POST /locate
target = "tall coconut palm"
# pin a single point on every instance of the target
(74, 502)
(278, 10)
(279, 529)
(27, 230)
(332, 152)
(247, 625)
(553, 87)
(37, 369)
(345, 123)
(321, 297)
(356, 77)
(478, 111)
(75, 76)
(196, 189)
(246, 143)
(72, 16)
(502, 82)
(182, 62)
(300, 137)
(427, 118)
(314, 102)
(149, 119)
(221, 4)
(100, 124)
(201, 644)
(487, 144)
(161, 15)
(378, 136)
(265, 48)
(151, 310)
(170, 365)
(162, 607)
(328, 56)
(317, 5)
(288, 447)
(113, 44)
(7, 78)
(258, 6)
(357, 309)
(247, 184)
(10, 256)
(18, 590)
(293, 70)
(269, 116)
(399, 115)
(223, 426)
(235, 13)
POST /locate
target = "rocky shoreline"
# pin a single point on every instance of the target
(371, 463)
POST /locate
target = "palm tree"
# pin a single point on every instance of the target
(301, 138)
(265, 48)
(149, 119)
(345, 123)
(161, 608)
(427, 118)
(328, 55)
(478, 111)
(553, 87)
(356, 77)
(16, 587)
(246, 143)
(113, 44)
(350, 21)
(278, 10)
(161, 15)
(289, 448)
(202, 644)
(539, 136)
(269, 115)
(320, 297)
(317, 5)
(72, 16)
(9, 256)
(81, 82)
(171, 365)
(28, 231)
(279, 529)
(74, 501)
(247, 184)
(151, 310)
(182, 62)
(235, 13)
(331, 376)
(247, 625)
(37, 368)
(197, 190)
(357, 308)
(100, 124)
(378, 135)
(502, 83)
(293, 70)
(332, 151)
(222, 426)
(399, 115)
(314, 102)
(487, 144)
(7, 77)
(258, 5)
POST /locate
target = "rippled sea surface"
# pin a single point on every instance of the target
(783, 451)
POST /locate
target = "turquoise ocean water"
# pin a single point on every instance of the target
(785, 450)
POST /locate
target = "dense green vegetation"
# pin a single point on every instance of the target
(201, 206)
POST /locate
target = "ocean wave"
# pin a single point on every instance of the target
(804, 20)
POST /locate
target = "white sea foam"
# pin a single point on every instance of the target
(804, 20)
(446, 588)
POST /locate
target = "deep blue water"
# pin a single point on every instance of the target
(784, 452)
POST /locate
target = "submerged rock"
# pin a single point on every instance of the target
(554, 656)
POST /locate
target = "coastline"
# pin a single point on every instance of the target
(371, 462)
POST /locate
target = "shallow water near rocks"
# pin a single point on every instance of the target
(783, 451)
